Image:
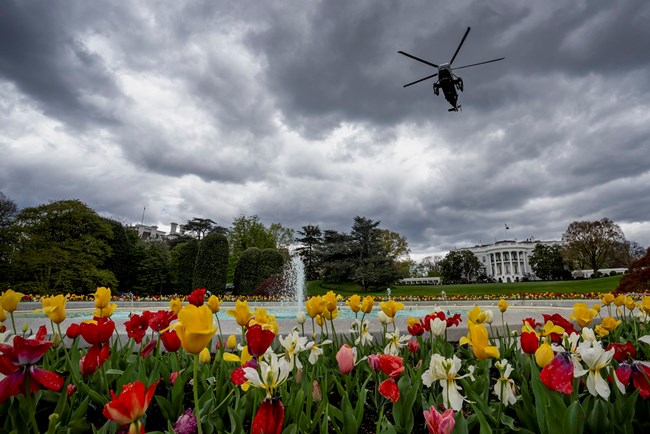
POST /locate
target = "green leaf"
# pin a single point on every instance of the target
(574, 419)
(461, 424)
(598, 417)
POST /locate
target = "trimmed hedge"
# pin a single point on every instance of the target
(254, 266)
(211, 266)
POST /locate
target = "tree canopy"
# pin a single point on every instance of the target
(547, 262)
(592, 244)
(460, 265)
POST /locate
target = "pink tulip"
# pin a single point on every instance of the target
(439, 423)
(345, 358)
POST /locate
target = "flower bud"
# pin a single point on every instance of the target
(232, 342)
(316, 392)
(301, 318)
(373, 361)
(25, 327)
(298, 378)
(204, 356)
(489, 316)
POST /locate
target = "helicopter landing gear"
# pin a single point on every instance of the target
(436, 89)
(459, 84)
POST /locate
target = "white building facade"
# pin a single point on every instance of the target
(507, 260)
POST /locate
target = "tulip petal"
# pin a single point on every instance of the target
(47, 379)
(269, 417)
(389, 390)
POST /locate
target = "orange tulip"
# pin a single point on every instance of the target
(130, 405)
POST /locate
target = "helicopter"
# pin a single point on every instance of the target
(447, 80)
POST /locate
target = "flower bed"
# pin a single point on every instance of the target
(177, 373)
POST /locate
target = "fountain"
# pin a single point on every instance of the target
(294, 283)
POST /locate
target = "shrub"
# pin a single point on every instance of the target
(211, 266)
(254, 266)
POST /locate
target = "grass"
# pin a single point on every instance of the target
(601, 285)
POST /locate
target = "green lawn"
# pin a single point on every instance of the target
(604, 284)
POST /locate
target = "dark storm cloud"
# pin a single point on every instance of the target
(295, 111)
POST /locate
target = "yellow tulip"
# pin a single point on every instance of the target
(630, 303)
(583, 314)
(320, 320)
(214, 303)
(102, 297)
(549, 328)
(54, 308)
(105, 312)
(503, 305)
(241, 313)
(232, 342)
(315, 306)
(265, 320)
(331, 299)
(175, 305)
(330, 315)
(194, 328)
(477, 316)
(544, 355)
(607, 299)
(391, 307)
(355, 303)
(596, 307)
(204, 356)
(645, 304)
(367, 304)
(3, 314)
(9, 300)
(610, 323)
(477, 338)
(619, 300)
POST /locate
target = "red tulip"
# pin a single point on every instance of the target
(197, 297)
(559, 320)
(269, 417)
(373, 361)
(346, 359)
(19, 361)
(529, 342)
(97, 332)
(389, 390)
(73, 331)
(94, 358)
(160, 320)
(623, 373)
(640, 378)
(454, 320)
(431, 317)
(131, 404)
(558, 374)
(148, 349)
(170, 341)
(533, 324)
(622, 352)
(438, 423)
(391, 365)
(416, 329)
(136, 327)
(258, 339)
(413, 346)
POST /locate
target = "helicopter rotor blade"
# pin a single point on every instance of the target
(417, 58)
(422, 79)
(459, 45)
(480, 63)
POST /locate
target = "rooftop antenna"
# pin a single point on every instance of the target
(143, 210)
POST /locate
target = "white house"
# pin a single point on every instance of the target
(507, 260)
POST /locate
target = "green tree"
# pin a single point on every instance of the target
(61, 247)
(336, 257)
(311, 238)
(283, 237)
(254, 266)
(244, 233)
(183, 259)
(8, 211)
(592, 244)
(153, 269)
(200, 227)
(123, 262)
(547, 262)
(460, 265)
(211, 267)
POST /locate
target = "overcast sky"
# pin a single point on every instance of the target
(294, 111)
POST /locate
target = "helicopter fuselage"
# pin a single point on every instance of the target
(449, 83)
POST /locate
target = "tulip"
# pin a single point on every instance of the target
(105, 312)
(3, 314)
(445, 371)
(645, 304)
(136, 327)
(102, 297)
(214, 303)
(346, 357)
(197, 297)
(195, 328)
(265, 320)
(170, 341)
(477, 338)
(393, 366)
(583, 314)
(19, 361)
(269, 417)
(619, 300)
(529, 342)
(231, 344)
(373, 361)
(503, 305)
(241, 313)
(391, 307)
(367, 304)
(355, 303)
(622, 352)
(389, 390)
(148, 349)
(438, 327)
(175, 305)
(301, 318)
(316, 392)
(544, 355)
(259, 339)
(641, 378)
(97, 332)
(315, 306)
(331, 299)
(186, 423)
(607, 299)
(9, 300)
(413, 346)
(54, 308)
(630, 303)
(204, 356)
(439, 423)
(596, 359)
(504, 388)
(607, 325)
(558, 374)
(130, 405)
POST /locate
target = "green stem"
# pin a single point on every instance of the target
(196, 393)
(221, 343)
(13, 323)
(31, 407)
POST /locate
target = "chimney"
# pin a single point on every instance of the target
(173, 228)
